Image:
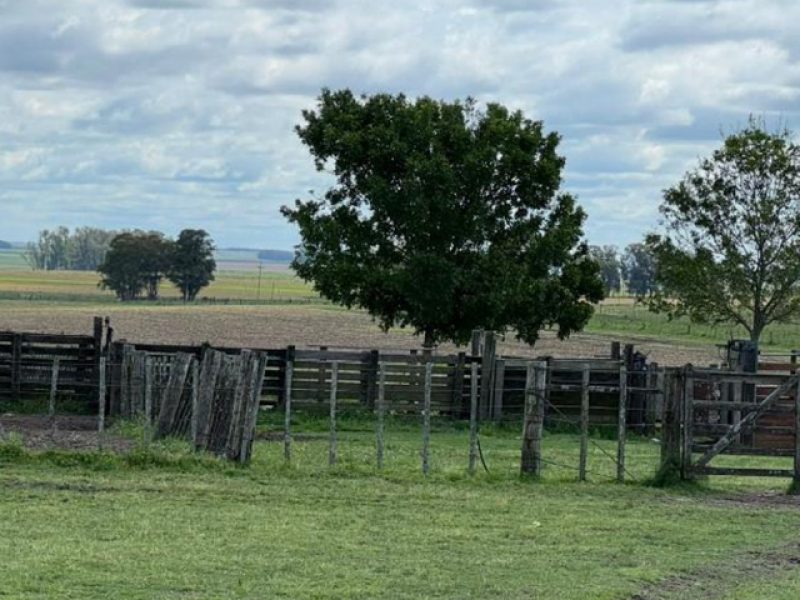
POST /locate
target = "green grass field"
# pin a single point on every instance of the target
(163, 523)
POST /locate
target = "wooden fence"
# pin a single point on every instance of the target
(26, 363)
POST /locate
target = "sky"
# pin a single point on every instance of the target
(180, 113)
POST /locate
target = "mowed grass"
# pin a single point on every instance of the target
(163, 523)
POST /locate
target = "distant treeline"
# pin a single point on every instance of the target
(635, 267)
(5, 245)
(275, 255)
(63, 250)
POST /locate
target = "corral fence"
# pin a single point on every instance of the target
(212, 396)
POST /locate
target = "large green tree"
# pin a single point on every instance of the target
(443, 218)
(731, 249)
(192, 263)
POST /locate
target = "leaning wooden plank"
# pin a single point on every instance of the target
(748, 420)
(209, 373)
(222, 405)
(173, 394)
(234, 441)
(251, 413)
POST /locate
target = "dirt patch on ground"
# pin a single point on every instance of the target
(309, 325)
(76, 433)
(716, 581)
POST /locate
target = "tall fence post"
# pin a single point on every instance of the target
(426, 419)
(16, 366)
(195, 369)
(535, 389)
(53, 390)
(499, 383)
(332, 449)
(584, 423)
(621, 422)
(473, 417)
(796, 478)
(287, 412)
(487, 373)
(687, 418)
(148, 400)
(101, 403)
(381, 410)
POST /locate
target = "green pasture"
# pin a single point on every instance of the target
(164, 523)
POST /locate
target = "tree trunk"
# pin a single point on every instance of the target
(427, 345)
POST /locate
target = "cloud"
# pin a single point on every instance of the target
(145, 113)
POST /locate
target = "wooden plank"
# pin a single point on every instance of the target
(796, 476)
(487, 373)
(235, 427)
(622, 411)
(332, 445)
(209, 374)
(381, 412)
(16, 366)
(250, 417)
(499, 381)
(584, 450)
(747, 420)
(687, 419)
(101, 404)
(426, 421)
(743, 406)
(287, 412)
(747, 450)
(195, 371)
(172, 396)
(458, 385)
(535, 387)
(742, 472)
(53, 390)
(148, 400)
(473, 418)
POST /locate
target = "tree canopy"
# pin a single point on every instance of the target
(138, 261)
(731, 249)
(443, 218)
(59, 249)
(638, 267)
(607, 258)
(191, 263)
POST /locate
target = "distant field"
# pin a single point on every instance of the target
(237, 278)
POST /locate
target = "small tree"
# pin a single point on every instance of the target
(443, 218)
(607, 259)
(192, 263)
(731, 250)
(639, 270)
(135, 262)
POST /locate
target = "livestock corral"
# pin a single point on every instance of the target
(420, 457)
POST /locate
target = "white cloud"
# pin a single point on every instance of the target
(145, 113)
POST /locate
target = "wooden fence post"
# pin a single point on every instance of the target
(426, 419)
(796, 478)
(195, 369)
(687, 418)
(287, 412)
(371, 378)
(381, 410)
(473, 417)
(621, 422)
(333, 441)
(53, 389)
(584, 423)
(148, 400)
(487, 373)
(101, 403)
(16, 366)
(535, 390)
(499, 382)
(97, 337)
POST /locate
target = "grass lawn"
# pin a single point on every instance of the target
(163, 523)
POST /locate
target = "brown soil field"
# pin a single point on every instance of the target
(277, 326)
